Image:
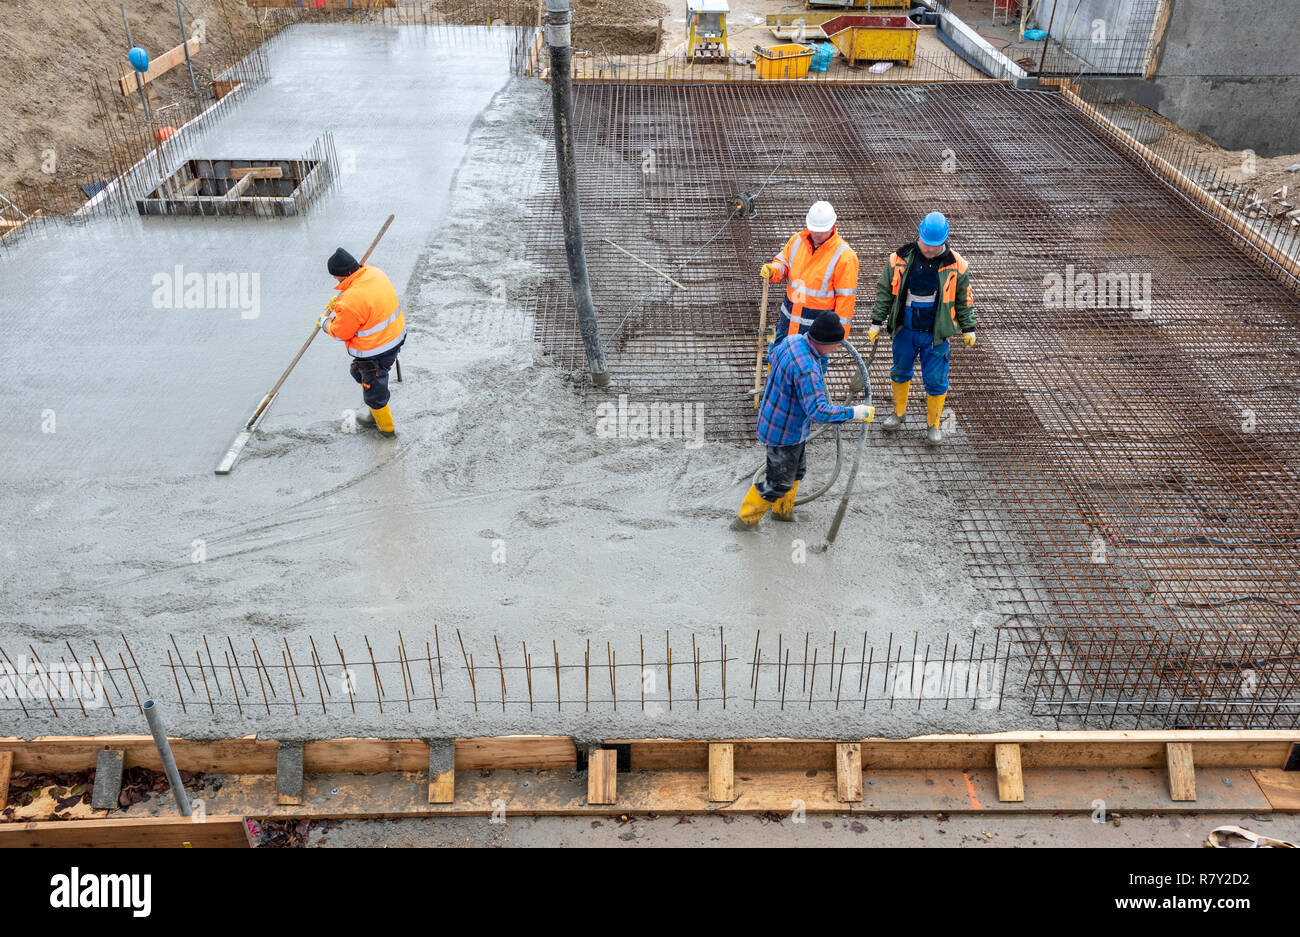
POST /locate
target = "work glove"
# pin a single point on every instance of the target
(969, 339)
(766, 272)
(864, 412)
(873, 333)
(323, 318)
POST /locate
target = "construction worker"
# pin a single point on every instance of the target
(794, 398)
(366, 317)
(923, 297)
(822, 273)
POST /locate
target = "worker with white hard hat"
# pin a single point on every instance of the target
(821, 273)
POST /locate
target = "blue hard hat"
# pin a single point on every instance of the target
(139, 59)
(934, 229)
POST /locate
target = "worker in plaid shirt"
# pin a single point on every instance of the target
(794, 399)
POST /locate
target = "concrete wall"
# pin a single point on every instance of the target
(1228, 71)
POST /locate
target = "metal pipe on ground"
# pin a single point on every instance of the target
(557, 38)
(168, 760)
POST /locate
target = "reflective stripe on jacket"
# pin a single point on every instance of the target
(820, 279)
(367, 316)
(955, 312)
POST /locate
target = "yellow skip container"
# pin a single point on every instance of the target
(784, 61)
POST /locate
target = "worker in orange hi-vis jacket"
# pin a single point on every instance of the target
(820, 271)
(367, 318)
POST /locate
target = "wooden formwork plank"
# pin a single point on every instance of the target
(1182, 771)
(1011, 783)
(1282, 788)
(257, 172)
(130, 84)
(848, 772)
(602, 776)
(722, 772)
(564, 793)
(140, 832)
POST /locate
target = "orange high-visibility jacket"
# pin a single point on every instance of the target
(367, 317)
(821, 279)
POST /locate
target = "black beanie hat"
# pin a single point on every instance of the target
(827, 329)
(343, 264)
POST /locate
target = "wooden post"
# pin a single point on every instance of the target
(848, 772)
(722, 776)
(602, 776)
(1011, 784)
(288, 773)
(442, 772)
(6, 767)
(1182, 770)
(108, 779)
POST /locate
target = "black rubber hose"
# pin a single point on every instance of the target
(857, 456)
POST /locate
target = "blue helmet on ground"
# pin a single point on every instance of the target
(934, 229)
(139, 59)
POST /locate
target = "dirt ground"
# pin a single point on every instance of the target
(52, 139)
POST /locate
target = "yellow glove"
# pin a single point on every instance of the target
(329, 306)
(323, 318)
(969, 339)
(766, 272)
(873, 333)
(864, 412)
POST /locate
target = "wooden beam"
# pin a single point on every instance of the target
(6, 768)
(160, 65)
(257, 172)
(222, 88)
(1011, 785)
(722, 772)
(236, 190)
(602, 776)
(138, 832)
(1182, 771)
(848, 772)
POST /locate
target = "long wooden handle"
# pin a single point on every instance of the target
(310, 338)
(762, 340)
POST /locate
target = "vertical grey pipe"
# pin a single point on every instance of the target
(185, 44)
(557, 38)
(165, 753)
(139, 77)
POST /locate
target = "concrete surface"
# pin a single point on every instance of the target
(928, 831)
(500, 511)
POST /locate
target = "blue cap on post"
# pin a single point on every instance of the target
(139, 59)
(934, 229)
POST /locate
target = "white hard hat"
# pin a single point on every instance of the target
(821, 217)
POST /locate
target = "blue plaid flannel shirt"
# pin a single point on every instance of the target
(795, 395)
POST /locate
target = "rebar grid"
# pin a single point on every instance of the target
(1125, 466)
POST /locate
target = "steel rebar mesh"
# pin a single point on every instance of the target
(1126, 467)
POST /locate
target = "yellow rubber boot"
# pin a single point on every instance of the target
(892, 422)
(752, 510)
(383, 420)
(783, 509)
(933, 411)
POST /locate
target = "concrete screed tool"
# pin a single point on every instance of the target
(250, 427)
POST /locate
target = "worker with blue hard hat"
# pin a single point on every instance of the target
(922, 298)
